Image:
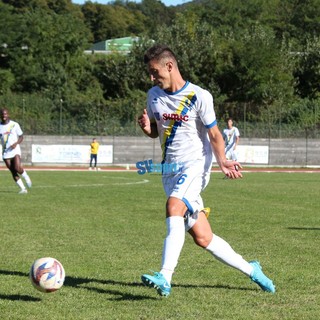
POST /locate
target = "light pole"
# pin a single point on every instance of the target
(23, 108)
(61, 101)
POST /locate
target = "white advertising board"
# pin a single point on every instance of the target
(252, 154)
(69, 154)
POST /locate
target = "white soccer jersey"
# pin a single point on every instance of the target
(230, 138)
(9, 134)
(182, 119)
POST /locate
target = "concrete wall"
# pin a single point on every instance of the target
(129, 150)
(289, 152)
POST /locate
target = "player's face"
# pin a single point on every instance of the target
(4, 116)
(159, 74)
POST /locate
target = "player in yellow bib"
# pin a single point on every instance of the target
(94, 148)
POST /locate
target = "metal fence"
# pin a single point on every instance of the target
(130, 149)
(114, 127)
(277, 131)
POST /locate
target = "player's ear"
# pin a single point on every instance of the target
(169, 65)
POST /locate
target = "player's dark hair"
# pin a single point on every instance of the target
(159, 52)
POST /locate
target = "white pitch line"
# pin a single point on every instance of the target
(128, 183)
(93, 185)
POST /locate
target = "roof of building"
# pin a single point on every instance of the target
(119, 45)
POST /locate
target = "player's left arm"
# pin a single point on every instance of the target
(228, 167)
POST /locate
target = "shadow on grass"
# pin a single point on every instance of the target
(118, 295)
(18, 297)
(304, 228)
(83, 283)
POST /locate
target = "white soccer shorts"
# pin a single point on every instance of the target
(187, 186)
(232, 155)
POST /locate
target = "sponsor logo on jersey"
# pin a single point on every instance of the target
(175, 117)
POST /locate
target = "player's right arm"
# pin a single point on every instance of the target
(149, 128)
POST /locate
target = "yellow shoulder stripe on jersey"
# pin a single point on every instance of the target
(173, 125)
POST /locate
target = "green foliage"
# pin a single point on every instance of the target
(305, 113)
(304, 18)
(128, 108)
(111, 73)
(308, 69)
(157, 14)
(112, 21)
(256, 70)
(256, 57)
(195, 45)
(29, 110)
(233, 15)
(41, 48)
(6, 81)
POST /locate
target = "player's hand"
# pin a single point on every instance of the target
(231, 169)
(144, 122)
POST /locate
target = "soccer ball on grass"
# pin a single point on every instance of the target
(47, 274)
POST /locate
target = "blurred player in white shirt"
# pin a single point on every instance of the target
(231, 136)
(11, 136)
(181, 114)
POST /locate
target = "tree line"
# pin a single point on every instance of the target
(259, 58)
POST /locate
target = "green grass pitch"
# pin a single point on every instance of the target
(107, 228)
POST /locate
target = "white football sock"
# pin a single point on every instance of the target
(223, 252)
(20, 184)
(27, 179)
(172, 246)
(25, 175)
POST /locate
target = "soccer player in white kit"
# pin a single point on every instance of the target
(231, 136)
(181, 114)
(11, 136)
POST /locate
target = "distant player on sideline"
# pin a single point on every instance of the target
(181, 114)
(11, 137)
(231, 136)
(94, 147)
